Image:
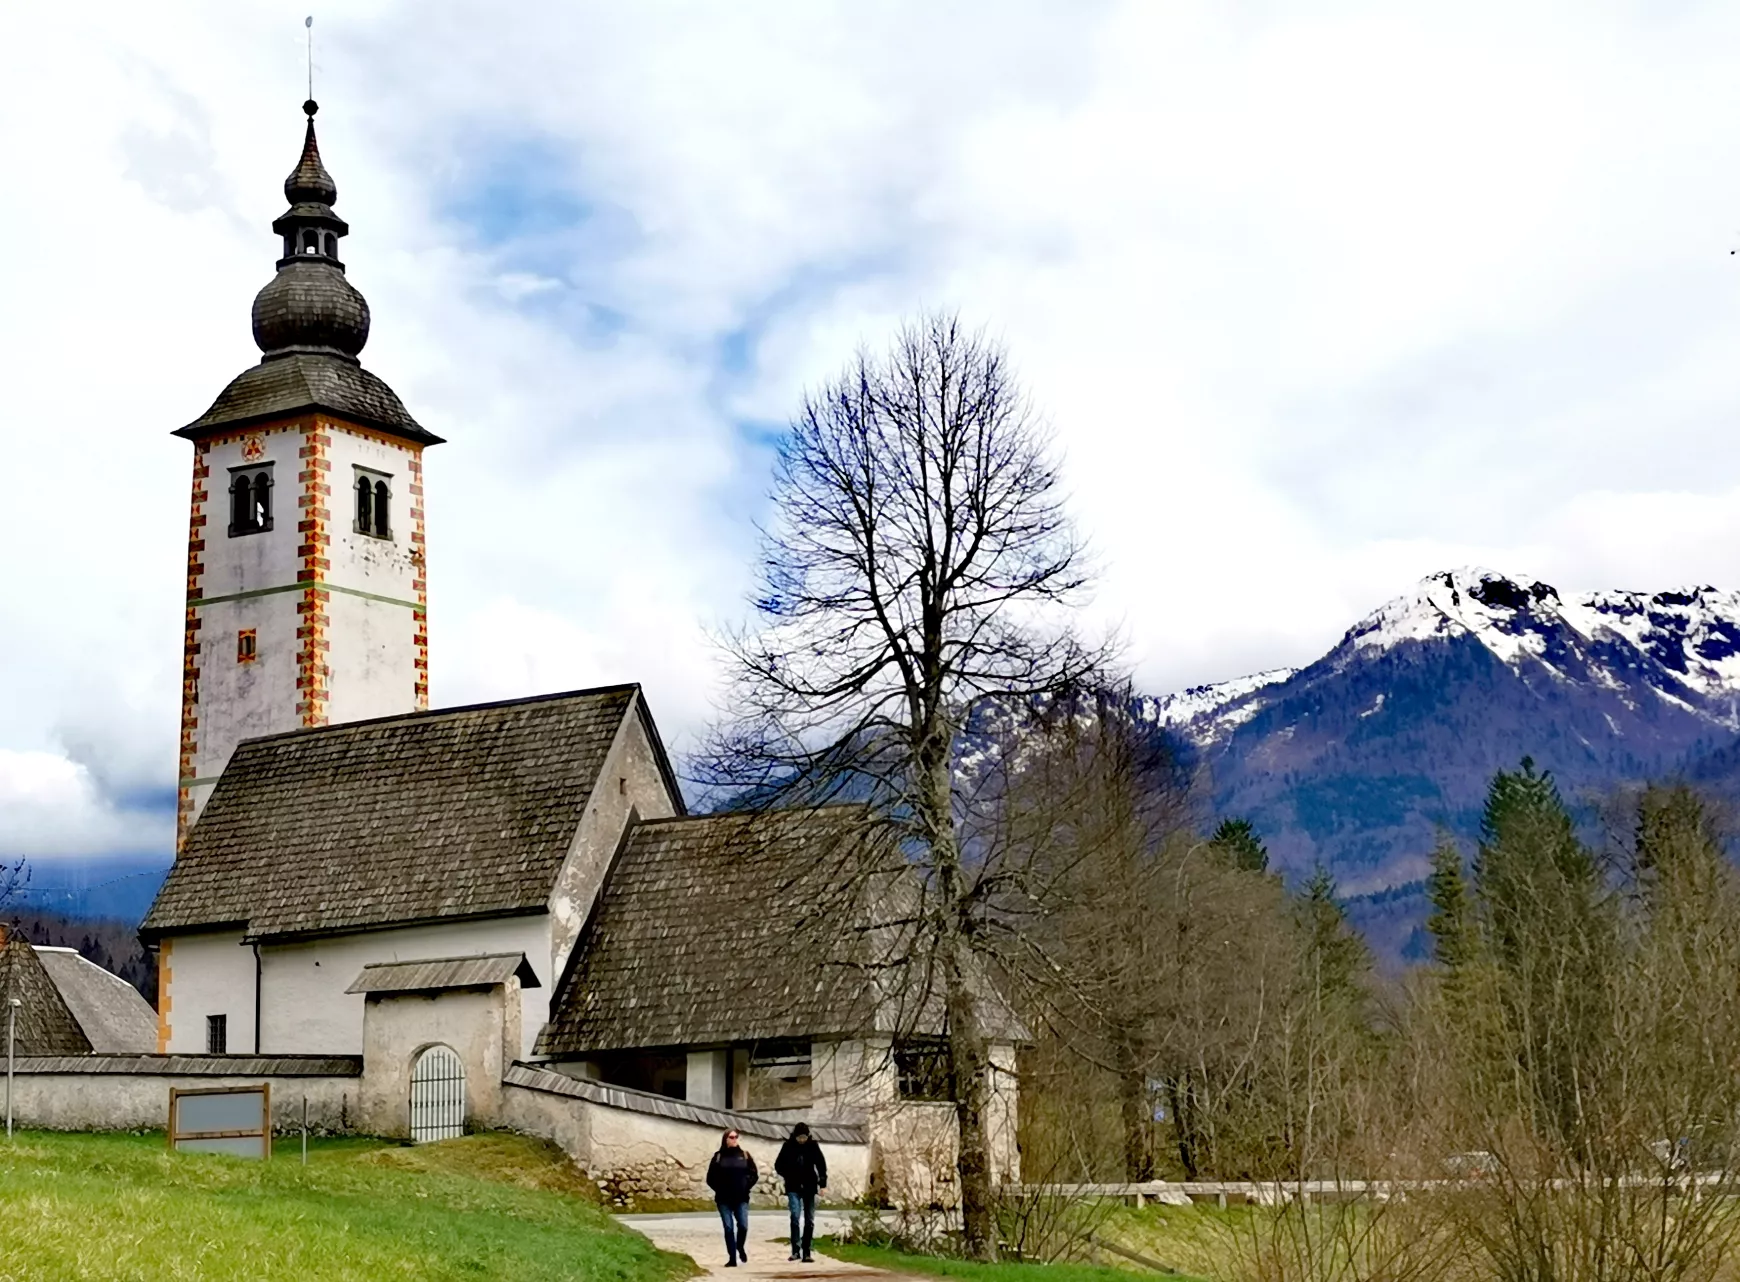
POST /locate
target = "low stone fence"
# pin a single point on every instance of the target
(131, 1092)
(639, 1145)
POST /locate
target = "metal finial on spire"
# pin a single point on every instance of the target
(308, 25)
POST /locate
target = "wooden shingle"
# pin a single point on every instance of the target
(724, 928)
(44, 1023)
(463, 812)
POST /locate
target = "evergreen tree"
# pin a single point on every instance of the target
(1337, 959)
(1551, 935)
(1454, 942)
(1675, 834)
(1236, 841)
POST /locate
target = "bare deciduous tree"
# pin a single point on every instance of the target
(14, 876)
(915, 564)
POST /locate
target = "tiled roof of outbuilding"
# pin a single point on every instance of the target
(725, 928)
(436, 974)
(45, 1026)
(114, 1018)
(462, 812)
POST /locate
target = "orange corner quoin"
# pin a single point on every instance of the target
(335, 607)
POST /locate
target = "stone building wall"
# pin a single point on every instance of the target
(131, 1092)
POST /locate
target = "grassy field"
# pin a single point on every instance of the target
(968, 1271)
(120, 1208)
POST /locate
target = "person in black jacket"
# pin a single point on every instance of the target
(731, 1174)
(805, 1171)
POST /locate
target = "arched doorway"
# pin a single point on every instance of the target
(437, 1095)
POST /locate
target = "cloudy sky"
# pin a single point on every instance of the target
(1319, 297)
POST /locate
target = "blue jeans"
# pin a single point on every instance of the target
(736, 1222)
(805, 1203)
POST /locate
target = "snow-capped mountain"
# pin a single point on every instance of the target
(1681, 647)
(1359, 759)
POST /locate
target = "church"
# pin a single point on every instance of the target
(502, 914)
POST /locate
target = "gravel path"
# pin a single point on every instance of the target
(699, 1236)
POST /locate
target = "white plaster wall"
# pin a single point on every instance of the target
(249, 562)
(629, 779)
(915, 1153)
(371, 644)
(208, 974)
(851, 1080)
(1002, 1115)
(914, 1142)
(237, 701)
(140, 1101)
(706, 1078)
(307, 1011)
(651, 1156)
(398, 1027)
(373, 659)
(242, 700)
(361, 561)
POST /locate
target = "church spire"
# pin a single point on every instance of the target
(309, 226)
(309, 306)
(309, 183)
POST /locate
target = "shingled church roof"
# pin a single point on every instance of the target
(464, 812)
(44, 1024)
(744, 927)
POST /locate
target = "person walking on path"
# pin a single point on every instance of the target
(805, 1171)
(731, 1174)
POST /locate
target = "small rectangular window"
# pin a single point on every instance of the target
(924, 1073)
(217, 1034)
(245, 646)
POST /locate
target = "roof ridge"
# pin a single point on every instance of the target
(431, 713)
(777, 812)
(430, 961)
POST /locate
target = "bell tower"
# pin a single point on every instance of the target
(306, 598)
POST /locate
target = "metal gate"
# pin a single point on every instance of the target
(437, 1096)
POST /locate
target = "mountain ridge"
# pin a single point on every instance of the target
(1359, 759)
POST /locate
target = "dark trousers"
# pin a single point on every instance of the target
(805, 1203)
(735, 1218)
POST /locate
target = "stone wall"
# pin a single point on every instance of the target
(641, 1146)
(131, 1092)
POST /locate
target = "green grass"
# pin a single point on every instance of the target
(970, 1271)
(121, 1208)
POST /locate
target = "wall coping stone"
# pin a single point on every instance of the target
(195, 1065)
(553, 1083)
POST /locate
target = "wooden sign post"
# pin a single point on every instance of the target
(222, 1119)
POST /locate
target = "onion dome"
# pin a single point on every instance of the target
(310, 323)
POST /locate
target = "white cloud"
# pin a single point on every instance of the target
(50, 807)
(1319, 301)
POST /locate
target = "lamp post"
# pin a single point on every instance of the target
(12, 1005)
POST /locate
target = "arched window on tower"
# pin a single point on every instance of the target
(310, 241)
(374, 504)
(250, 500)
(241, 503)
